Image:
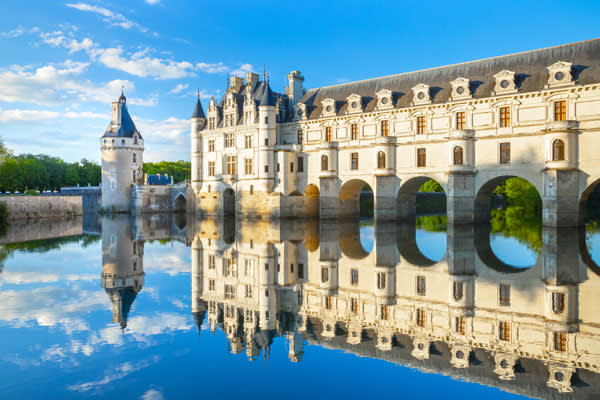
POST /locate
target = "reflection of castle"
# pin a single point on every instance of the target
(122, 266)
(468, 315)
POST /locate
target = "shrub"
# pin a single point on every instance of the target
(31, 192)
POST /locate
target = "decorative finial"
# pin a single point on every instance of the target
(227, 83)
(264, 72)
(122, 98)
(198, 93)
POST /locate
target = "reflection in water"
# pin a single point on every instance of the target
(441, 299)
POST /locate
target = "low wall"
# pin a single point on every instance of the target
(151, 199)
(47, 228)
(91, 197)
(34, 207)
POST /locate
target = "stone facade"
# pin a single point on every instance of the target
(468, 126)
(34, 207)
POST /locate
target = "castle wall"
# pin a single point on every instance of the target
(151, 199)
(34, 207)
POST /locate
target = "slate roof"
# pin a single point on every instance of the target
(198, 110)
(530, 70)
(125, 127)
(158, 180)
(268, 98)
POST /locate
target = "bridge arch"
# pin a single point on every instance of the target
(312, 197)
(229, 202)
(180, 203)
(406, 199)
(487, 255)
(589, 196)
(350, 195)
(483, 194)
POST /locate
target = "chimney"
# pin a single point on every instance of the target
(295, 90)
(236, 83)
(251, 79)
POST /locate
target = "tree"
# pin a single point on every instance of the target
(431, 186)
(71, 175)
(179, 170)
(11, 176)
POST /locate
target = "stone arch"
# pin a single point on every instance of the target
(406, 200)
(349, 197)
(311, 200)
(180, 203)
(584, 198)
(229, 202)
(483, 195)
(349, 241)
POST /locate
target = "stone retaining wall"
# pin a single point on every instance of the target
(34, 207)
(47, 228)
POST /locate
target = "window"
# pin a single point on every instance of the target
(291, 167)
(248, 268)
(504, 330)
(266, 292)
(229, 292)
(212, 261)
(460, 325)
(248, 291)
(460, 120)
(247, 117)
(248, 166)
(134, 158)
(328, 302)
(353, 131)
(324, 275)
(458, 155)
(457, 291)
(421, 288)
(229, 120)
(354, 276)
(229, 140)
(328, 134)
(211, 285)
(384, 313)
(266, 141)
(558, 150)
(504, 153)
(229, 267)
(560, 110)
(354, 305)
(381, 280)
(248, 142)
(381, 159)
(300, 136)
(560, 341)
(266, 168)
(266, 120)
(354, 161)
(266, 267)
(504, 117)
(420, 317)
(291, 268)
(300, 271)
(211, 168)
(135, 140)
(324, 163)
(558, 302)
(251, 192)
(211, 145)
(212, 123)
(300, 162)
(385, 127)
(420, 125)
(230, 163)
(421, 158)
(504, 295)
(278, 168)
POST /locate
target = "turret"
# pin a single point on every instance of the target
(122, 149)
(198, 122)
(267, 113)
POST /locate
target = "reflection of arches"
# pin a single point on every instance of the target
(229, 202)
(486, 254)
(350, 196)
(408, 247)
(406, 199)
(483, 197)
(586, 257)
(583, 201)
(349, 240)
(311, 200)
(180, 203)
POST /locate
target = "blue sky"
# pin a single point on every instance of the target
(64, 62)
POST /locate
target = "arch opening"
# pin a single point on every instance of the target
(510, 208)
(422, 197)
(229, 202)
(589, 216)
(312, 200)
(180, 203)
(356, 199)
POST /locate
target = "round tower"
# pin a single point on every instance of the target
(198, 122)
(267, 114)
(122, 149)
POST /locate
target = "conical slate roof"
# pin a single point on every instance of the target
(268, 98)
(198, 110)
(124, 128)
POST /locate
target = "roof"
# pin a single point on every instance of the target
(124, 128)
(530, 71)
(198, 110)
(158, 180)
(268, 98)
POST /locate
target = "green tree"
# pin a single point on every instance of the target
(11, 176)
(179, 170)
(72, 175)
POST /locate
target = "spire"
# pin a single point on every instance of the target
(268, 97)
(122, 98)
(198, 111)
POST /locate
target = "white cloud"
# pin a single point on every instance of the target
(120, 372)
(153, 2)
(7, 116)
(108, 16)
(179, 88)
(58, 39)
(152, 394)
(171, 130)
(14, 33)
(242, 70)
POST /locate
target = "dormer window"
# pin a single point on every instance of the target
(421, 94)
(505, 82)
(460, 89)
(354, 103)
(328, 107)
(384, 99)
(559, 74)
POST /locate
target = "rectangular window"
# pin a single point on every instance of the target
(248, 167)
(504, 117)
(211, 168)
(266, 168)
(460, 325)
(558, 302)
(328, 302)
(212, 261)
(211, 145)
(248, 291)
(266, 267)
(300, 136)
(230, 164)
(211, 285)
(354, 305)
(421, 289)
(420, 317)
(385, 127)
(460, 120)
(278, 167)
(300, 161)
(420, 125)
(504, 295)
(353, 131)
(504, 153)
(328, 134)
(354, 161)
(248, 141)
(381, 280)
(212, 123)
(560, 110)
(134, 160)
(300, 271)
(291, 268)
(384, 313)
(504, 330)
(421, 158)
(251, 192)
(229, 292)
(560, 341)
(229, 140)
(354, 276)
(291, 167)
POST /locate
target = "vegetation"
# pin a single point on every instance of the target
(435, 223)
(431, 186)
(179, 170)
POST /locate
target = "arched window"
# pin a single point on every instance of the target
(324, 163)
(558, 150)
(458, 291)
(381, 159)
(458, 155)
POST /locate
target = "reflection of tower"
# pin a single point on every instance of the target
(198, 305)
(122, 266)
